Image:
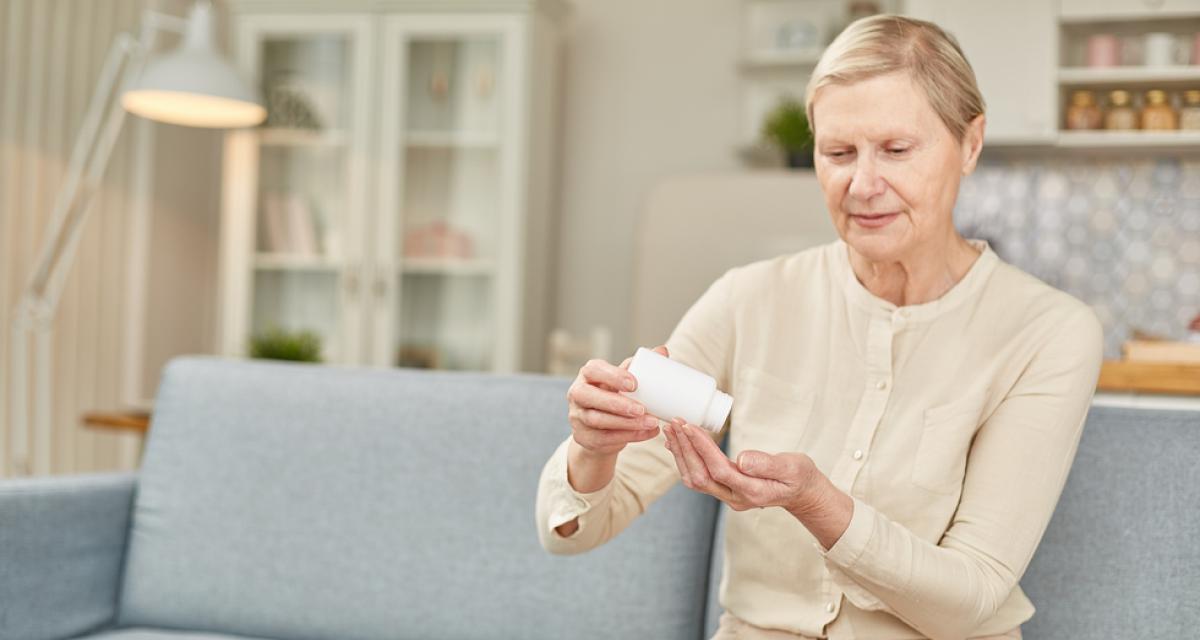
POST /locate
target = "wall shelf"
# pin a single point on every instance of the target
(1083, 76)
(1125, 139)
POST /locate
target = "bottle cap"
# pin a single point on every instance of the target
(718, 410)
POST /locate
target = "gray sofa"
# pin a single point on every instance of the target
(302, 502)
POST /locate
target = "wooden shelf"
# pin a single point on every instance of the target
(1149, 377)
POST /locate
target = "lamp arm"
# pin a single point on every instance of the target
(126, 57)
(81, 155)
(39, 299)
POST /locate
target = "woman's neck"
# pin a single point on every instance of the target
(923, 276)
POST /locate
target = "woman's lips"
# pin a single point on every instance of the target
(874, 221)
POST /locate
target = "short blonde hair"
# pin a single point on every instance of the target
(882, 44)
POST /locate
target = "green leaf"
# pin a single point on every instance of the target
(276, 343)
(787, 126)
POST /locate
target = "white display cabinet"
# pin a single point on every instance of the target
(397, 200)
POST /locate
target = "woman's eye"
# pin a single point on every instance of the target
(897, 152)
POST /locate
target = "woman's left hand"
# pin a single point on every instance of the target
(756, 480)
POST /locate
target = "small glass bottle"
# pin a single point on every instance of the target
(670, 389)
(1083, 113)
(1121, 115)
(1158, 115)
(1189, 115)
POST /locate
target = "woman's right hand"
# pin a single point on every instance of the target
(602, 420)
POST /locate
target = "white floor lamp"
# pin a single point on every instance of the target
(190, 86)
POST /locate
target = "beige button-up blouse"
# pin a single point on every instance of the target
(952, 424)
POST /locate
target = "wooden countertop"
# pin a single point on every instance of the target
(1149, 377)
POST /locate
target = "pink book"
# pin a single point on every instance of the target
(301, 226)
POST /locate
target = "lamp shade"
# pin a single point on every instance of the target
(193, 86)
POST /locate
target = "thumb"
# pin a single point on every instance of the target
(662, 349)
(759, 464)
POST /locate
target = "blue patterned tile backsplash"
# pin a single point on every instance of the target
(1123, 236)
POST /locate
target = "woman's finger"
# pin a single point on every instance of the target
(591, 397)
(597, 439)
(599, 372)
(669, 430)
(700, 475)
(720, 468)
(596, 419)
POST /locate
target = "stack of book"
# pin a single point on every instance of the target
(289, 225)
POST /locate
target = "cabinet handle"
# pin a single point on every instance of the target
(352, 281)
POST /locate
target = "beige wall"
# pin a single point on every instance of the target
(651, 91)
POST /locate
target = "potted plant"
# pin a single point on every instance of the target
(786, 127)
(277, 343)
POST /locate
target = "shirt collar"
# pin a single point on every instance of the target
(964, 289)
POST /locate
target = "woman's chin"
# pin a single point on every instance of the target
(875, 245)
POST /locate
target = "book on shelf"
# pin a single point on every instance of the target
(274, 224)
(301, 225)
(1165, 351)
(289, 225)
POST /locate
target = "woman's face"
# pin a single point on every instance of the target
(888, 166)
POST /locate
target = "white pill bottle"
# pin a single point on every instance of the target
(670, 389)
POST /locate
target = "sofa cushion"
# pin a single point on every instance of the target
(1119, 558)
(305, 502)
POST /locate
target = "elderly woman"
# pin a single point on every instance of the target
(907, 406)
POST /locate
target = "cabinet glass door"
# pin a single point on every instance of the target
(306, 259)
(443, 198)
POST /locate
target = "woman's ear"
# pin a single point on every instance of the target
(972, 143)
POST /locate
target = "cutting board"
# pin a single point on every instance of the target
(1150, 377)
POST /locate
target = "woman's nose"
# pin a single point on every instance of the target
(866, 182)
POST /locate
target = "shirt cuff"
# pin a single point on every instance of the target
(847, 551)
(848, 548)
(567, 504)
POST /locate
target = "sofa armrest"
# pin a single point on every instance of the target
(62, 546)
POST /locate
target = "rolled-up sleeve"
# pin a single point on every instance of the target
(703, 339)
(559, 503)
(1016, 470)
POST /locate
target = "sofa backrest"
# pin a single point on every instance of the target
(313, 502)
(1121, 556)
